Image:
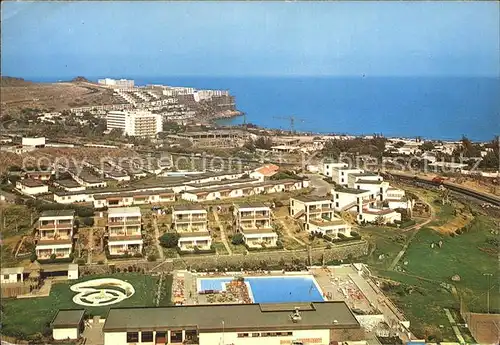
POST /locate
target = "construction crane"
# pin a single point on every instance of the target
(290, 118)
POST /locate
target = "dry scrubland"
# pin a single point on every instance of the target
(18, 94)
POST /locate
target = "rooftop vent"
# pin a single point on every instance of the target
(296, 316)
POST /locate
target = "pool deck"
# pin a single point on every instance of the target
(337, 283)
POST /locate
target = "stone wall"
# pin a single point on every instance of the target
(273, 258)
(252, 260)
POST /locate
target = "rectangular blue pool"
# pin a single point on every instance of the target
(272, 289)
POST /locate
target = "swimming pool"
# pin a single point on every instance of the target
(272, 289)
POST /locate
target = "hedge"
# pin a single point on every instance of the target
(126, 256)
(279, 246)
(197, 251)
(55, 261)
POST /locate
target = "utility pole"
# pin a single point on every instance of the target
(488, 292)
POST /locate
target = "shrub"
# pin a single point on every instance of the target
(152, 257)
(169, 240)
(328, 246)
(53, 256)
(80, 261)
(237, 239)
(33, 256)
(100, 262)
(354, 234)
(88, 221)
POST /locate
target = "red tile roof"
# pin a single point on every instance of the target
(268, 169)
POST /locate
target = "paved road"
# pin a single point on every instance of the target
(380, 301)
(91, 246)
(320, 186)
(157, 241)
(222, 233)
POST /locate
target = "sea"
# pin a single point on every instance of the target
(444, 108)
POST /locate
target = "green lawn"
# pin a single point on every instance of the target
(427, 287)
(170, 252)
(31, 315)
(237, 249)
(468, 255)
(166, 291)
(385, 244)
(220, 248)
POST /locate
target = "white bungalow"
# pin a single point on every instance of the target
(317, 215)
(55, 234)
(124, 231)
(254, 222)
(191, 223)
(31, 187)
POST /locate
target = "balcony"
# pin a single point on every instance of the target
(126, 221)
(313, 210)
(194, 219)
(256, 215)
(326, 222)
(55, 225)
(124, 237)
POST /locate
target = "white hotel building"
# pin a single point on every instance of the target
(318, 323)
(135, 123)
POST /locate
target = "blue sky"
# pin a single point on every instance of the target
(59, 39)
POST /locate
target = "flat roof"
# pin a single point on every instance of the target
(193, 234)
(250, 205)
(132, 194)
(233, 317)
(311, 198)
(12, 270)
(67, 183)
(58, 213)
(120, 210)
(254, 231)
(350, 190)
(68, 318)
(188, 207)
(368, 182)
(223, 182)
(364, 174)
(31, 183)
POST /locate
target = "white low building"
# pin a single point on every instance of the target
(364, 204)
(31, 187)
(55, 234)
(396, 198)
(253, 221)
(317, 216)
(11, 275)
(68, 324)
(34, 142)
(124, 231)
(237, 324)
(191, 223)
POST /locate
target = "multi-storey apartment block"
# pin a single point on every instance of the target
(55, 234)
(124, 231)
(317, 215)
(254, 222)
(364, 203)
(191, 223)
